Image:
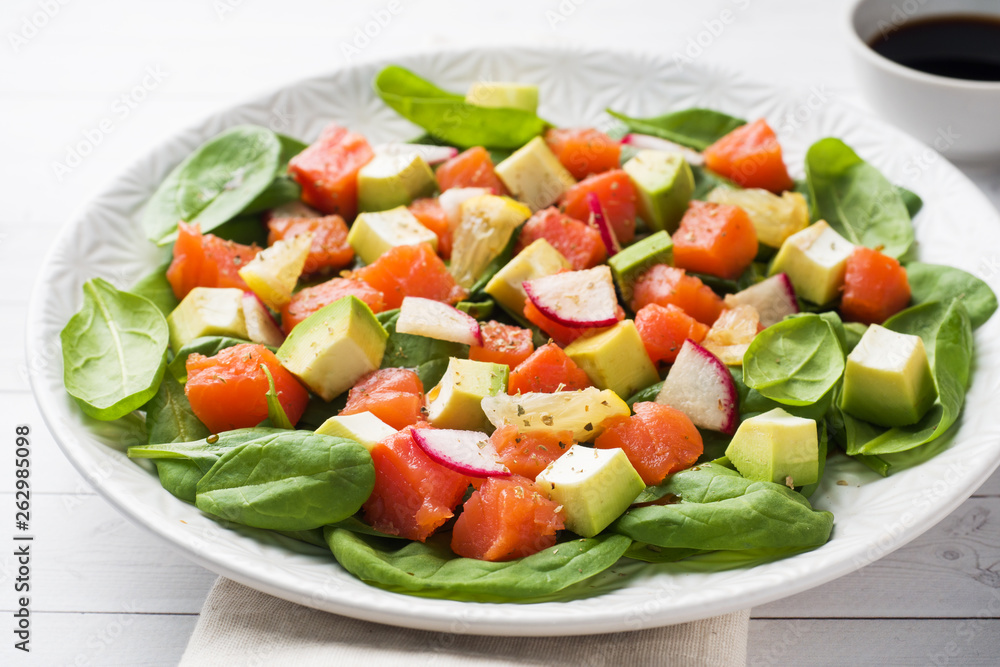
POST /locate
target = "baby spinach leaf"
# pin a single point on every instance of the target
(114, 351)
(179, 477)
(933, 282)
(695, 128)
(706, 180)
(911, 200)
(718, 509)
(356, 525)
(181, 465)
(412, 351)
(856, 199)
(155, 287)
(432, 570)
(796, 361)
(292, 480)
(947, 334)
(169, 417)
(246, 228)
(753, 403)
(477, 309)
(276, 416)
(215, 182)
(431, 372)
(206, 345)
(279, 191)
(204, 452)
(653, 554)
(448, 117)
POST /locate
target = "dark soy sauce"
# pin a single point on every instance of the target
(960, 47)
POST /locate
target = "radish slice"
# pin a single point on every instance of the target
(432, 154)
(261, 326)
(646, 141)
(466, 452)
(700, 386)
(451, 201)
(576, 298)
(599, 221)
(773, 298)
(295, 209)
(433, 319)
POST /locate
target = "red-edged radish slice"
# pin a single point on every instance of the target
(451, 201)
(294, 209)
(261, 326)
(646, 141)
(599, 221)
(466, 452)
(773, 298)
(433, 319)
(700, 386)
(576, 298)
(431, 154)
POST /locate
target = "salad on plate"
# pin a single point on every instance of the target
(489, 363)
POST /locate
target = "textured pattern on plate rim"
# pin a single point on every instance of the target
(958, 226)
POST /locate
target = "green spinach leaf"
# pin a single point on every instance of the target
(114, 351)
(856, 199)
(214, 183)
(450, 118)
(431, 569)
(718, 509)
(293, 480)
(695, 128)
(169, 417)
(947, 334)
(477, 309)
(796, 361)
(155, 287)
(653, 554)
(933, 282)
(911, 200)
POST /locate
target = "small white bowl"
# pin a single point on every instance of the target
(960, 118)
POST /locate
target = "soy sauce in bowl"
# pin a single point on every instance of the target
(959, 47)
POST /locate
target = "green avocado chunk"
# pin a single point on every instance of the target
(888, 379)
(664, 182)
(776, 447)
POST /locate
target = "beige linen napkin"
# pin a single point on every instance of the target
(241, 626)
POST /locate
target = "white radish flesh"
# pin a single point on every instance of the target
(700, 386)
(433, 319)
(577, 299)
(466, 452)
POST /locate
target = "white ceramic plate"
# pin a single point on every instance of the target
(873, 515)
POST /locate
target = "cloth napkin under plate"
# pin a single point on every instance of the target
(242, 626)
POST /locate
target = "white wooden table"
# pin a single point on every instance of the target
(107, 593)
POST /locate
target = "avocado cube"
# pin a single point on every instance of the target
(594, 487)
(207, 311)
(362, 427)
(888, 379)
(776, 447)
(774, 218)
(389, 181)
(815, 260)
(632, 262)
(664, 183)
(615, 359)
(456, 401)
(537, 260)
(375, 233)
(535, 175)
(332, 348)
(521, 96)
